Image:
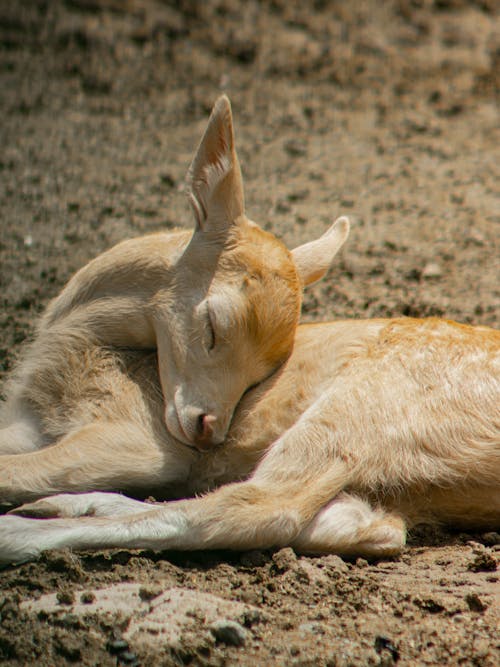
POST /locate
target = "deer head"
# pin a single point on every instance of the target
(228, 318)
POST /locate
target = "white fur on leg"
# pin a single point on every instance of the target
(72, 505)
(349, 525)
(23, 539)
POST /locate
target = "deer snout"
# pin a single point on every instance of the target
(205, 432)
(196, 425)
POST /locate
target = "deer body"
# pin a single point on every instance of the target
(364, 428)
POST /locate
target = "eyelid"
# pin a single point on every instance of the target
(211, 320)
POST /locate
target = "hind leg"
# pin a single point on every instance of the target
(348, 525)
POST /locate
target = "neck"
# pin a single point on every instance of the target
(110, 297)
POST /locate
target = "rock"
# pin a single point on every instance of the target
(432, 271)
(66, 597)
(163, 619)
(430, 605)
(475, 603)
(483, 562)
(229, 632)
(335, 566)
(284, 560)
(115, 646)
(295, 147)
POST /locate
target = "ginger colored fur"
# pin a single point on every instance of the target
(351, 431)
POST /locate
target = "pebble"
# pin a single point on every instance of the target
(65, 597)
(115, 646)
(475, 603)
(229, 632)
(284, 560)
(483, 562)
(295, 147)
(432, 270)
(128, 658)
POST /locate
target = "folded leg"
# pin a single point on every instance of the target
(105, 456)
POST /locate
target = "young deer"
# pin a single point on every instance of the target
(219, 305)
(366, 428)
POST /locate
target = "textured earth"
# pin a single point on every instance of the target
(384, 111)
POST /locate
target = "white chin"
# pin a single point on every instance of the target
(174, 427)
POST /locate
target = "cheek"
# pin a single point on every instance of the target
(238, 371)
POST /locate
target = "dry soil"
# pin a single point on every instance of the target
(385, 111)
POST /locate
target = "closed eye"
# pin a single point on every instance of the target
(210, 330)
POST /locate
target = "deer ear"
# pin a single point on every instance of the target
(214, 177)
(314, 258)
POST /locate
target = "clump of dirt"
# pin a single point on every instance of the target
(387, 112)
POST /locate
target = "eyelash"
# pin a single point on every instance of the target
(211, 329)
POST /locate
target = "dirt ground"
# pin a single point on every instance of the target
(385, 111)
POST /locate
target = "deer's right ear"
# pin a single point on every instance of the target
(314, 258)
(214, 177)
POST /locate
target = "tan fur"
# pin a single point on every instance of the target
(366, 427)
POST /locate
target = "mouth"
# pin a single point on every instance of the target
(176, 429)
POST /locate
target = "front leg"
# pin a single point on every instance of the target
(74, 505)
(298, 476)
(238, 516)
(108, 456)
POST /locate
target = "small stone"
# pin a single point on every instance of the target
(483, 562)
(432, 270)
(118, 645)
(65, 597)
(229, 632)
(335, 566)
(130, 659)
(302, 575)
(429, 605)
(298, 195)
(284, 560)
(383, 644)
(475, 603)
(87, 597)
(295, 147)
(146, 594)
(252, 616)
(168, 180)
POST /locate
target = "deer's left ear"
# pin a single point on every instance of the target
(214, 177)
(313, 259)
